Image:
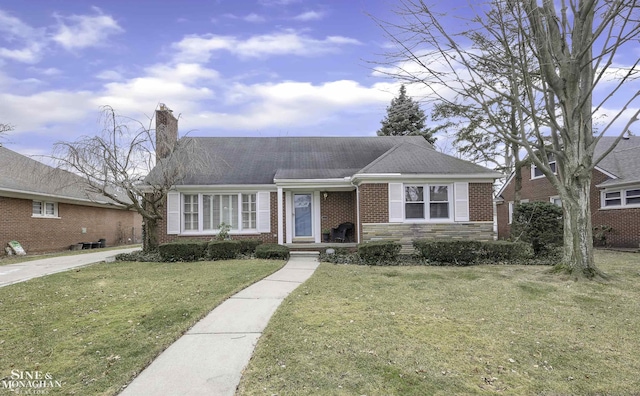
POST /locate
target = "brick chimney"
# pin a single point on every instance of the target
(166, 131)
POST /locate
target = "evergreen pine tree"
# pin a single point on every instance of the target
(405, 118)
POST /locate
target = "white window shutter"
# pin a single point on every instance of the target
(396, 203)
(173, 213)
(461, 198)
(264, 211)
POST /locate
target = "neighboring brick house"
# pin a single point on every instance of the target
(288, 189)
(615, 193)
(46, 209)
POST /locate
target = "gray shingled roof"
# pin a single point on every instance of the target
(260, 160)
(23, 175)
(410, 158)
(623, 161)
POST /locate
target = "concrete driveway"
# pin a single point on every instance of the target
(20, 272)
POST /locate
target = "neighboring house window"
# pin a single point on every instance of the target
(537, 173)
(621, 198)
(511, 207)
(190, 211)
(612, 199)
(44, 209)
(438, 198)
(632, 197)
(556, 201)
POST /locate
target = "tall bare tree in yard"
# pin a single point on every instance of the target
(558, 56)
(116, 162)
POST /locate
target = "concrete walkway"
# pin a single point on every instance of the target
(210, 357)
(20, 272)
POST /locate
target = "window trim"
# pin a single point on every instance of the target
(622, 197)
(511, 210)
(214, 231)
(43, 210)
(553, 198)
(426, 202)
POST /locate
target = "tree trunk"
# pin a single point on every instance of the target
(577, 257)
(151, 235)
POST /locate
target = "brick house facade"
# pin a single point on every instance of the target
(614, 195)
(46, 209)
(73, 224)
(289, 190)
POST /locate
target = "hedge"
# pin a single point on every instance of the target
(223, 250)
(248, 246)
(272, 251)
(379, 252)
(183, 250)
(463, 252)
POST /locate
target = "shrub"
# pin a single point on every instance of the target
(457, 252)
(183, 250)
(506, 252)
(248, 246)
(223, 250)
(140, 256)
(272, 251)
(539, 223)
(379, 252)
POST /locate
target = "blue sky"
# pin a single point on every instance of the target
(229, 68)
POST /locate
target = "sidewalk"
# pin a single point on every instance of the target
(20, 272)
(210, 357)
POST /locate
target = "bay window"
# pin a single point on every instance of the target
(238, 211)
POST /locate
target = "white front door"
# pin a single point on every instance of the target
(303, 215)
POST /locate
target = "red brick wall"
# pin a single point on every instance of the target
(480, 201)
(339, 207)
(625, 222)
(374, 203)
(39, 235)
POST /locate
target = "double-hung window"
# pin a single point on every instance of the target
(632, 197)
(427, 202)
(190, 212)
(44, 209)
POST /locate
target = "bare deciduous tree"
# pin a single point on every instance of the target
(557, 57)
(5, 128)
(116, 162)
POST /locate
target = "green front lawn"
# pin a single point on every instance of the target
(96, 327)
(356, 330)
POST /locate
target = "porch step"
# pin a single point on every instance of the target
(302, 253)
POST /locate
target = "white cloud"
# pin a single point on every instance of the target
(109, 75)
(27, 42)
(309, 16)
(254, 18)
(51, 71)
(201, 48)
(271, 3)
(292, 104)
(83, 31)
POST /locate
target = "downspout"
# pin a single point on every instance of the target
(357, 210)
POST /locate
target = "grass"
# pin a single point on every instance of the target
(95, 328)
(357, 330)
(5, 260)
